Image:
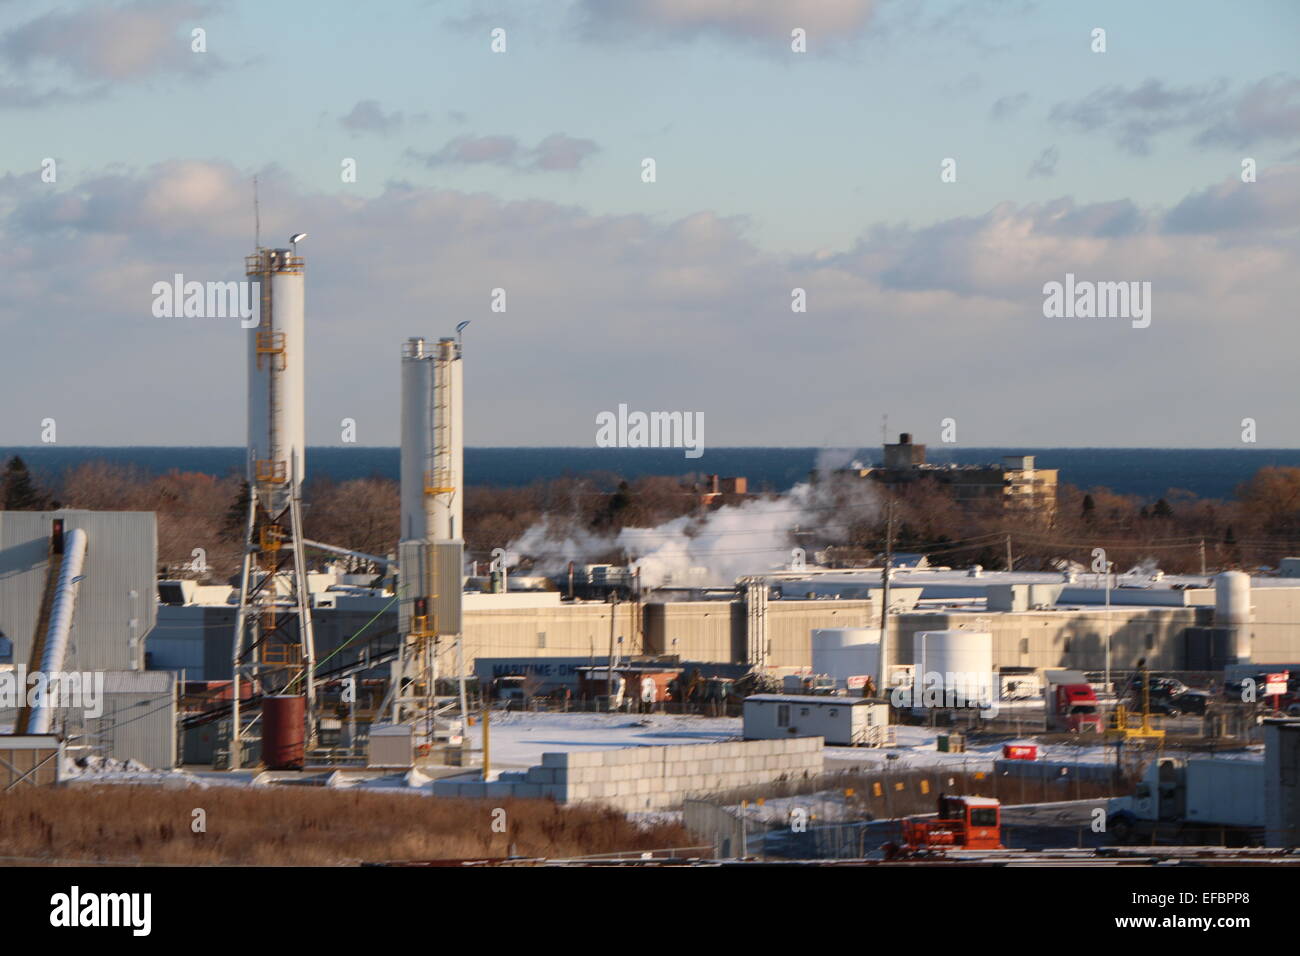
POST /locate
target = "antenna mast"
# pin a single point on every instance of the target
(257, 218)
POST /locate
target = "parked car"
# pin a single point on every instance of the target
(1160, 686)
(1168, 696)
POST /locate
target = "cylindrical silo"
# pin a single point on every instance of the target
(277, 439)
(433, 451)
(417, 437)
(953, 668)
(1232, 611)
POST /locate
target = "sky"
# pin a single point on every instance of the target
(921, 170)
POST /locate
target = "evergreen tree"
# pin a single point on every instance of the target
(236, 520)
(20, 492)
(1162, 509)
(1089, 506)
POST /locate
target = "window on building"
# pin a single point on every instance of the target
(541, 638)
(782, 715)
(1151, 642)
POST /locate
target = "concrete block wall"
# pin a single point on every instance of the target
(649, 778)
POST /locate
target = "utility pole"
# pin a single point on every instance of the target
(1202, 557)
(884, 597)
(1010, 564)
(1108, 626)
(487, 743)
(460, 669)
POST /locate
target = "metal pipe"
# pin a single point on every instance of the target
(60, 626)
(241, 621)
(333, 549)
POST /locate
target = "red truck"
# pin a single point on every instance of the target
(1071, 703)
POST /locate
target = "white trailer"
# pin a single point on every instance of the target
(1199, 798)
(1225, 792)
(842, 721)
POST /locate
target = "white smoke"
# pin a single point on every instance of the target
(715, 548)
(552, 544)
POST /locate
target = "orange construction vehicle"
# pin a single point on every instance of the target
(968, 823)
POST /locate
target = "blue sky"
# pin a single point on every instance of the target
(775, 169)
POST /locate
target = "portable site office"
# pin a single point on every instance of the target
(842, 721)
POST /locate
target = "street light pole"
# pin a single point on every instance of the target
(884, 601)
(1109, 565)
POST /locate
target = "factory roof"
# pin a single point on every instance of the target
(814, 699)
(1082, 579)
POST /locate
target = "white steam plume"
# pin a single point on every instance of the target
(726, 543)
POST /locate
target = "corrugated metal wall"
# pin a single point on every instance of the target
(139, 719)
(118, 587)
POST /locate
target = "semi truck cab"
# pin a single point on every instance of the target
(1071, 703)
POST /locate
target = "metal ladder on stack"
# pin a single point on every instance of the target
(438, 474)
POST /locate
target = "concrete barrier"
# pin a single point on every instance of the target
(649, 778)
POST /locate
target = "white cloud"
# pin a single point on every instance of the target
(689, 314)
(112, 43)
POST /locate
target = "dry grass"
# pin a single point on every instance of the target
(301, 827)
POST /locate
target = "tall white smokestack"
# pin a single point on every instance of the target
(277, 436)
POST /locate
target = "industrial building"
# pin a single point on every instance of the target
(273, 653)
(1173, 624)
(1012, 486)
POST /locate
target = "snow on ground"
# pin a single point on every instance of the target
(518, 740)
(93, 770)
(917, 748)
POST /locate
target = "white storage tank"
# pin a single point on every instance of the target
(955, 664)
(844, 652)
(1232, 610)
